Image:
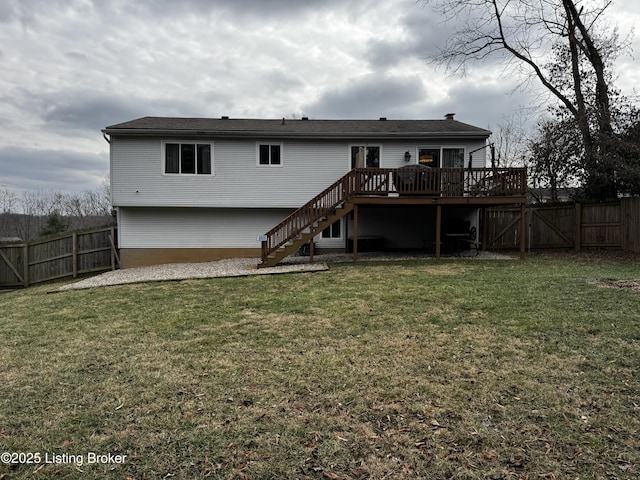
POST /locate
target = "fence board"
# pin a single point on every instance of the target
(609, 225)
(630, 229)
(65, 256)
(11, 265)
(552, 227)
(502, 228)
(601, 225)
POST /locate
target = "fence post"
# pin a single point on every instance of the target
(74, 251)
(578, 235)
(25, 256)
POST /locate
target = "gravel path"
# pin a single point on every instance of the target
(237, 267)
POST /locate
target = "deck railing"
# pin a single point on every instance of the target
(405, 181)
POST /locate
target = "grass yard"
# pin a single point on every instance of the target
(432, 369)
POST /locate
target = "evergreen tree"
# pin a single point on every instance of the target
(55, 224)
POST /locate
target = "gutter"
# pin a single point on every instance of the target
(292, 135)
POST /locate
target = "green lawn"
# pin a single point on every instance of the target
(430, 369)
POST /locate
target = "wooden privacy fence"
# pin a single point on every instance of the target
(574, 225)
(70, 255)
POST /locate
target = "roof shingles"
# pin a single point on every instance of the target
(295, 128)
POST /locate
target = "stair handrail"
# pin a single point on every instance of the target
(302, 218)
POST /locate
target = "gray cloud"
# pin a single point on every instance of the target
(371, 97)
(483, 105)
(422, 34)
(57, 169)
(95, 110)
(256, 9)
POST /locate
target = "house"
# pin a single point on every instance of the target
(201, 189)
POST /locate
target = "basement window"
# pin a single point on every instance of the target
(333, 231)
(270, 154)
(185, 158)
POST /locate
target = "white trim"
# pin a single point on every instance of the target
(339, 237)
(269, 165)
(195, 142)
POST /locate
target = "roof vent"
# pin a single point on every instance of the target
(224, 117)
(383, 119)
(449, 116)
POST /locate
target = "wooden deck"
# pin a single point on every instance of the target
(415, 185)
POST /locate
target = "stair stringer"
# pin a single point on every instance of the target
(315, 228)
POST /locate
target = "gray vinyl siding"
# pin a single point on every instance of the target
(195, 227)
(237, 180)
(137, 177)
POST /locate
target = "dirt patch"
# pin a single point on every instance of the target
(609, 283)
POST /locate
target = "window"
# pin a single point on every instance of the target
(269, 154)
(333, 231)
(453, 182)
(437, 157)
(453, 157)
(365, 156)
(429, 157)
(187, 158)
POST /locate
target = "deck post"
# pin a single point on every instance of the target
(346, 234)
(483, 230)
(523, 229)
(577, 243)
(355, 233)
(438, 229)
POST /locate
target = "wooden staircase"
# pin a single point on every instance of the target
(308, 221)
(305, 236)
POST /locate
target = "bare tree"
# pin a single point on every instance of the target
(27, 215)
(510, 140)
(524, 34)
(8, 202)
(8, 199)
(555, 156)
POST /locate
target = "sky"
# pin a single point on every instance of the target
(69, 68)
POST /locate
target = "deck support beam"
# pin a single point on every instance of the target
(355, 233)
(523, 231)
(438, 229)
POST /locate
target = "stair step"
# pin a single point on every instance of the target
(316, 224)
